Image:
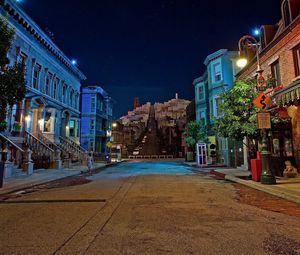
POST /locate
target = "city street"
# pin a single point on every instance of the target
(145, 208)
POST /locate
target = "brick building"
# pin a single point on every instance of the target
(279, 53)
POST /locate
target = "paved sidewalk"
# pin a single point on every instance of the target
(43, 176)
(288, 189)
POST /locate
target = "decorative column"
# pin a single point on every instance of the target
(58, 162)
(8, 165)
(28, 165)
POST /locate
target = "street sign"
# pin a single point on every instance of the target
(262, 101)
(264, 120)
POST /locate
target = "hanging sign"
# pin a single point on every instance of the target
(262, 101)
(264, 120)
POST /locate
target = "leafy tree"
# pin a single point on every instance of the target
(238, 112)
(12, 82)
(239, 118)
(195, 131)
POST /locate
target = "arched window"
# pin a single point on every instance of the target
(76, 100)
(36, 76)
(64, 93)
(71, 100)
(48, 84)
(286, 13)
(55, 88)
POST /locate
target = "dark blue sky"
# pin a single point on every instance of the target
(148, 48)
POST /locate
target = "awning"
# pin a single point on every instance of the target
(289, 95)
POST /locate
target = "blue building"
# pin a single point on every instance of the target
(48, 119)
(219, 76)
(96, 119)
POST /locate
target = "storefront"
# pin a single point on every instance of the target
(285, 140)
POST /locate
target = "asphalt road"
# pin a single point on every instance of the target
(144, 208)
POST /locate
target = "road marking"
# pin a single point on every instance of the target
(53, 201)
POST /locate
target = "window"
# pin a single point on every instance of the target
(286, 13)
(202, 118)
(76, 100)
(99, 125)
(211, 107)
(48, 84)
(64, 94)
(91, 147)
(47, 122)
(21, 59)
(217, 72)
(72, 128)
(218, 104)
(92, 126)
(71, 101)
(201, 93)
(93, 104)
(275, 71)
(36, 76)
(55, 88)
(296, 53)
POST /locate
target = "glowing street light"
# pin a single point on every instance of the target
(74, 62)
(114, 125)
(241, 62)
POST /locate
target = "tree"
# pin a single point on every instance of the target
(195, 131)
(12, 81)
(238, 117)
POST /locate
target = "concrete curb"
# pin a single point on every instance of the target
(37, 183)
(264, 188)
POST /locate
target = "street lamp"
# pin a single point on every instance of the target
(114, 125)
(247, 45)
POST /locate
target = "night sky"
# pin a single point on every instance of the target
(147, 48)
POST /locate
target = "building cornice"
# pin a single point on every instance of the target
(214, 56)
(15, 12)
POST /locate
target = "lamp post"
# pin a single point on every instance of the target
(246, 45)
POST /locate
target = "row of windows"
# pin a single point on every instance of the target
(97, 104)
(49, 84)
(98, 125)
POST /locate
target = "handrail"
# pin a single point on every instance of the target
(42, 137)
(77, 145)
(45, 145)
(11, 142)
(72, 145)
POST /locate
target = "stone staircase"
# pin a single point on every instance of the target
(78, 153)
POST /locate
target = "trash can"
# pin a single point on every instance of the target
(256, 168)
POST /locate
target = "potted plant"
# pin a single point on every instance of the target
(3, 125)
(16, 128)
